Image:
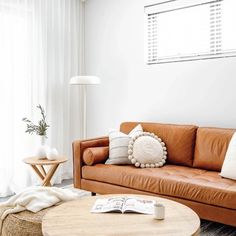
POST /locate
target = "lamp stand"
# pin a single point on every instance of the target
(84, 111)
(83, 81)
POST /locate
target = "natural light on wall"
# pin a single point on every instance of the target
(189, 30)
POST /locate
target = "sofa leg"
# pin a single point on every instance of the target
(93, 194)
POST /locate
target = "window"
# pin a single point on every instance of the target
(180, 30)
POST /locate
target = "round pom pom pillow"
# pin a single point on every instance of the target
(146, 150)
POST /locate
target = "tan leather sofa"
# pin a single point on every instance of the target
(191, 175)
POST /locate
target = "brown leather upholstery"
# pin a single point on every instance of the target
(207, 193)
(177, 181)
(95, 155)
(205, 211)
(179, 139)
(211, 147)
(78, 149)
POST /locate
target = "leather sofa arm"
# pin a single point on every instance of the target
(79, 147)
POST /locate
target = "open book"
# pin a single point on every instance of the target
(123, 204)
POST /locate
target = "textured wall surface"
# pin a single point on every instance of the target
(197, 92)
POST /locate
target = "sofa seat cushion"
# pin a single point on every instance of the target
(171, 180)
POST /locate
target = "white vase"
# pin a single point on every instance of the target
(41, 151)
(42, 139)
(52, 154)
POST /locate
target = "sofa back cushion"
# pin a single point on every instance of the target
(211, 146)
(179, 139)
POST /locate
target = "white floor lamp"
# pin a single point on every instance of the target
(84, 81)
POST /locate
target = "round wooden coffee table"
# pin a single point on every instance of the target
(74, 218)
(38, 167)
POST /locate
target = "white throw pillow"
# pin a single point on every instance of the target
(147, 150)
(229, 165)
(118, 146)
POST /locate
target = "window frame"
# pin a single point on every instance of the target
(195, 57)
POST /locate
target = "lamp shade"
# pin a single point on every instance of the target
(84, 80)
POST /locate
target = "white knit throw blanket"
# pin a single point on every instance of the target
(35, 199)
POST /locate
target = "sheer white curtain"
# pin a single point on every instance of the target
(39, 52)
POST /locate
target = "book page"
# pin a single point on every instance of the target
(112, 204)
(139, 205)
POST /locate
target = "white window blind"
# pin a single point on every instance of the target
(190, 30)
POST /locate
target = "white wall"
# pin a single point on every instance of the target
(198, 92)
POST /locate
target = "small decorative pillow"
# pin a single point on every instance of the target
(118, 146)
(147, 150)
(94, 155)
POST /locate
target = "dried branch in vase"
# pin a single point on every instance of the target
(40, 128)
